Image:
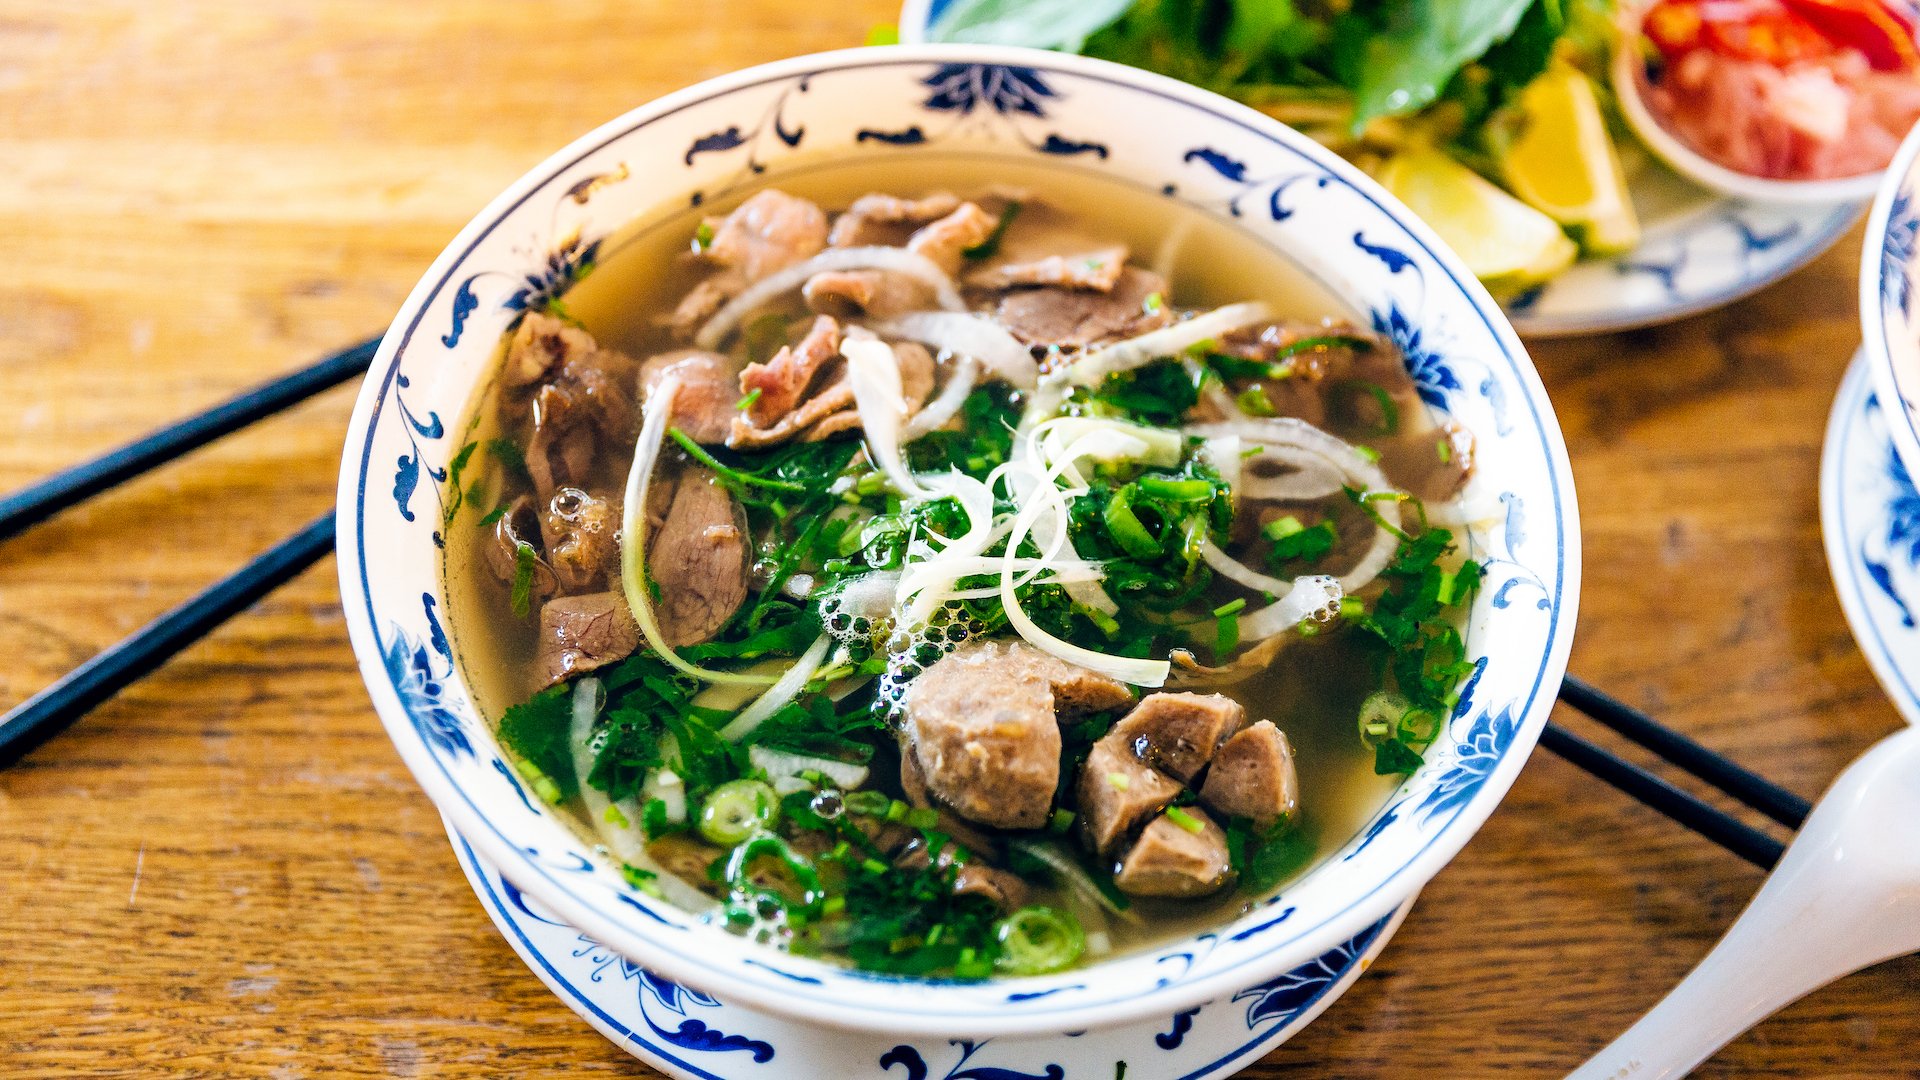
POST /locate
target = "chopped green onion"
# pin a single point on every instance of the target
(896, 811)
(737, 810)
(702, 236)
(925, 817)
(745, 888)
(1125, 527)
(1444, 447)
(1380, 714)
(1119, 781)
(1254, 402)
(1186, 491)
(1226, 636)
(1061, 821)
(873, 866)
(746, 402)
(1281, 528)
(1324, 341)
(1367, 452)
(1153, 303)
(1231, 607)
(1444, 593)
(493, 515)
(1037, 940)
(728, 473)
(614, 817)
(1185, 820)
(1350, 397)
(524, 560)
(986, 248)
(1352, 607)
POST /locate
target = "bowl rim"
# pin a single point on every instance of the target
(1875, 331)
(925, 1018)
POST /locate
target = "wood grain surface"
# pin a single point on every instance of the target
(228, 872)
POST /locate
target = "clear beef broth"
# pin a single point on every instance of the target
(1314, 690)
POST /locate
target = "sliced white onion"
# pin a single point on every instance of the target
(1167, 255)
(633, 532)
(1310, 597)
(1239, 573)
(665, 785)
(1225, 456)
(874, 372)
(946, 405)
(780, 693)
(966, 334)
(1173, 340)
(896, 260)
(779, 765)
(1314, 476)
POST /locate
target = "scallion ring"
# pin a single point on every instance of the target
(736, 810)
(1038, 940)
(743, 890)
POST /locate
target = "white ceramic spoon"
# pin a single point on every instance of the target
(1845, 896)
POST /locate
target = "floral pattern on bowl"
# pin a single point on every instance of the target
(1889, 310)
(717, 138)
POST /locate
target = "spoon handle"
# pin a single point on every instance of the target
(1845, 895)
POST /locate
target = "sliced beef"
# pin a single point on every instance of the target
(1116, 792)
(982, 726)
(972, 877)
(1253, 776)
(876, 293)
(576, 396)
(1074, 318)
(879, 220)
(541, 344)
(946, 240)
(1178, 733)
(1097, 271)
(582, 537)
(703, 407)
(698, 557)
(778, 385)
(581, 633)
(770, 231)
(1333, 386)
(521, 524)
(849, 293)
(823, 405)
(1168, 860)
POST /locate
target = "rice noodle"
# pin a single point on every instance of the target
(935, 414)
(892, 259)
(1173, 340)
(874, 372)
(966, 334)
(780, 693)
(1314, 596)
(633, 532)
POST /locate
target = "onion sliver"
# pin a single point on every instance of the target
(1239, 573)
(897, 260)
(966, 372)
(1166, 341)
(780, 765)
(780, 693)
(633, 544)
(874, 371)
(966, 334)
(1309, 597)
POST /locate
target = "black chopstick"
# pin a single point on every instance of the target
(45, 714)
(1743, 784)
(1711, 822)
(39, 501)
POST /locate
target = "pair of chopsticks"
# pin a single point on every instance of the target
(50, 711)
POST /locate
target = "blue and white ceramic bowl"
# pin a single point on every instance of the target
(877, 105)
(1889, 304)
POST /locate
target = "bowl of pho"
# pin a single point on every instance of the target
(958, 540)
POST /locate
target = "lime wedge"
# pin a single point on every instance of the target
(1506, 243)
(1556, 155)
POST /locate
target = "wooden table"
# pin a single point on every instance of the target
(228, 871)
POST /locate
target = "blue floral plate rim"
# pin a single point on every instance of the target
(1870, 525)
